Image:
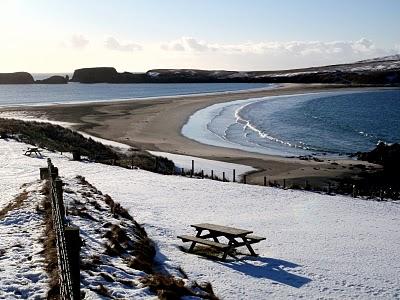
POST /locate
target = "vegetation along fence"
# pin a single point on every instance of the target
(377, 192)
(68, 241)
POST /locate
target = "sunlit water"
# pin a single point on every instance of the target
(75, 92)
(324, 123)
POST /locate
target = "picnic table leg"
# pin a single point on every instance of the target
(246, 242)
(227, 250)
(215, 239)
(194, 243)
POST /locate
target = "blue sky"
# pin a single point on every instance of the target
(51, 36)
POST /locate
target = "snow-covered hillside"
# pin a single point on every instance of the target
(317, 246)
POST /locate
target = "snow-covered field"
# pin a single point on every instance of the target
(317, 246)
(22, 265)
(207, 165)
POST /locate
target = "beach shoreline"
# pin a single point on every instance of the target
(156, 124)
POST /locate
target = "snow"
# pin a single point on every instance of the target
(317, 246)
(385, 58)
(92, 230)
(22, 266)
(207, 165)
(153, 74)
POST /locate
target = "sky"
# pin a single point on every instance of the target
(43, 36)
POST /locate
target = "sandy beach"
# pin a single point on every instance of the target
(155, 124)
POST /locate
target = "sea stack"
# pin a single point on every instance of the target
(95, 75)
(16, 78)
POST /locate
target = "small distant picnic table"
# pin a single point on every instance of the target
(31, 150)
(236, 238)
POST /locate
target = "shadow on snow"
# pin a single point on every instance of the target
(269, 268)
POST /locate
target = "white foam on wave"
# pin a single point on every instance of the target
(214, 126)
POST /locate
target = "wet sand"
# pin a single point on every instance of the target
(156, 124)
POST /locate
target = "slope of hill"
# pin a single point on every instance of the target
(318, 246)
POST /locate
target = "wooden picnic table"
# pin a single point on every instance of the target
(31, 150)
(236, 238)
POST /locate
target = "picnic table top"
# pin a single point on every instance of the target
(222, 229)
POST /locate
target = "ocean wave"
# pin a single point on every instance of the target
(247, 124)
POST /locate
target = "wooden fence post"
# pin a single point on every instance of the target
(44, 173)
(202, 174)
(234, 175)
(182, 171)
(244, 178)
(265, 180)
(54, 172)
(284, 183)
(223, 176)
(212, 174)
(354, 193)
(74, 244)
(59, 196)
(192, 172)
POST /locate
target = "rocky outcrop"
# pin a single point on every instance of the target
(106, 75)
(16, 78)
(95, 75)
(384, 154)
(54, 80)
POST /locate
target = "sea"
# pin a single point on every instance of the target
(320, 124)
(39, 94)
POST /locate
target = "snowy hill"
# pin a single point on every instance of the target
(395, 57)
(317, 246)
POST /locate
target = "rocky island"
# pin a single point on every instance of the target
(16, 78)
(378, 71)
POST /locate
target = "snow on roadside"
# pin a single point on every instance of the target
(317, 246)
(22, 265)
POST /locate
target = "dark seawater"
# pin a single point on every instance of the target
(324, 123)
(76, 92)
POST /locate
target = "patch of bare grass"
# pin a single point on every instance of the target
(167, 287)
(49, 246)
(16, 203)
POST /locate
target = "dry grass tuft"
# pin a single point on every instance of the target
(119, 241)
(107, 277)
(103, 291)
(16, 203)
(117, 209)
(167, 287)
(49, 247)
(144, 252)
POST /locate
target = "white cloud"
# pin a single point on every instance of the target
(362, 47)
(113, 44)
(79, 41)
(187, 44)
(270, 55)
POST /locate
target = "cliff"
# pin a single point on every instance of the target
(384, 154)
(379, 71)
(106, 75)
(16, 78)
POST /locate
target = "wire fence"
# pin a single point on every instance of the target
(67, 238)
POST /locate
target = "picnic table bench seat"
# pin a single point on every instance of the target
(189, 238)
(255, 238)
